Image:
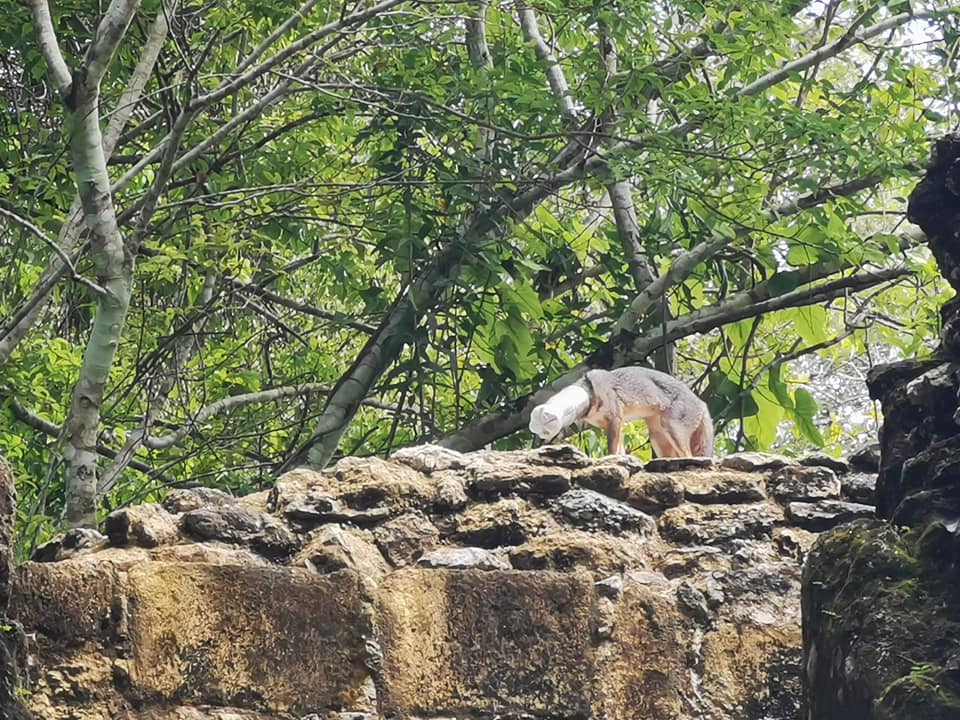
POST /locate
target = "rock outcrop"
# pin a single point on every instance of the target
(533, 584)
(12, 639)
(881, 609)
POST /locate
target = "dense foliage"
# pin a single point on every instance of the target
(392, 223)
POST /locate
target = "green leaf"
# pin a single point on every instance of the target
(811, 323)
(778, 387)
(783, 282)
(804, 411)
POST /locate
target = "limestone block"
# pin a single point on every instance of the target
(680, 463)
(804, 483)
(752, 669)
(462, 558)
(181, 500)
(142, 525)
(70, 601)
(336, 547)
(860, 487)
(590, 510)
(603, 476)
(720, 486)
(480, 643)
(236, 525)
(567, 550)
(838, 465)
(366, 489)
(755, 461)
(881, 618)
(508, 522)
(642, 672)
(711, 524)
(258, 637)
(648, 492)
(826, 514)
(405, 538)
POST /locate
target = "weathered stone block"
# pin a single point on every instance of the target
(710, 524)
(142, 525)
(651, 492)
(720, 486)
(826, 514)
(755, 461)
(505, 523)
(567, 550)
(795, 482)
(462, 558)
(860, 487)
(470, 642)
(274, 638)
(181, 500)
(590, 510)
(335, 547)
(642, 670)
(69, 602)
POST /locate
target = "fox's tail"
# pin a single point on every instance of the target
(701, 442)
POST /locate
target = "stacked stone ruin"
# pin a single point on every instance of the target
(529, 584)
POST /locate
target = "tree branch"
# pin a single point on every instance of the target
(228, 403)
(50, 429)
(50, 46)
(272, 38)
(113, 26)
(514, 415)
(555, 77)
(299, 307)
(64, 258)
(28, 312)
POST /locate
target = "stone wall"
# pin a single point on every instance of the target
(537, 584)
(881, 607)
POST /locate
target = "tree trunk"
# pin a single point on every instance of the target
(114, 266)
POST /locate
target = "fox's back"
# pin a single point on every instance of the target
(643, 392)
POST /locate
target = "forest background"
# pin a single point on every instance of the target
(237, 235)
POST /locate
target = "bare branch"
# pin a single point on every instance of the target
(299, 307)
(272, 38)
(827, 51)
(757, 301)
(64, 258)
(264, 396)
(131, 94)
(558, 83)
(347, 21)
(50, 429)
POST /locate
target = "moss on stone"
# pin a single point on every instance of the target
(882, 623)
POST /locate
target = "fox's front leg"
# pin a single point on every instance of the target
(615, 436)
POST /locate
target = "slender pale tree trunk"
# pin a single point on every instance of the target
(114, 265)
(19, 324)
(80, 90)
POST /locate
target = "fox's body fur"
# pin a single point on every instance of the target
(679, 422)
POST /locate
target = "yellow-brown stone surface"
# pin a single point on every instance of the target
(539, 584)
(69, 601)
(276, 637)
(643, 663)
(467, 642)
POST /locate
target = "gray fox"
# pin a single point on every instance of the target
(678, 421)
